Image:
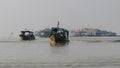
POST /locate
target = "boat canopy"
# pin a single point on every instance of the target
(26, 32)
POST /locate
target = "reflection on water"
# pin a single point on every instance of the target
(59, 44)
(75, 54)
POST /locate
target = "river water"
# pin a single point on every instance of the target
(76, 54)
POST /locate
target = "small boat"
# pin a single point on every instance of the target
(59, 35)
(27, 35)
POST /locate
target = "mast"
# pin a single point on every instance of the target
(58, 24)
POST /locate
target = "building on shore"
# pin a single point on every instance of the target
(91, 32)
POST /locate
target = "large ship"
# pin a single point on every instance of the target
(43, 33)
(91, 32)
(94, 35)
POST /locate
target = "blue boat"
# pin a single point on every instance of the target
(59, 35)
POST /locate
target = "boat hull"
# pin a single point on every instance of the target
(58, 39)
(27, 37)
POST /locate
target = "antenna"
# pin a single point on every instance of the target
(58, 24)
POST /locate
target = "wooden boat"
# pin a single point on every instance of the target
(27, 35)
(59, 35)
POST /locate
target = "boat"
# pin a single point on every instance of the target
(27, 35)
(43, 33)
(59, 35)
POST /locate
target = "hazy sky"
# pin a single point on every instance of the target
(15, 15)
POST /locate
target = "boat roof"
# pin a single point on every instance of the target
(27, 31)
(59, 29)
